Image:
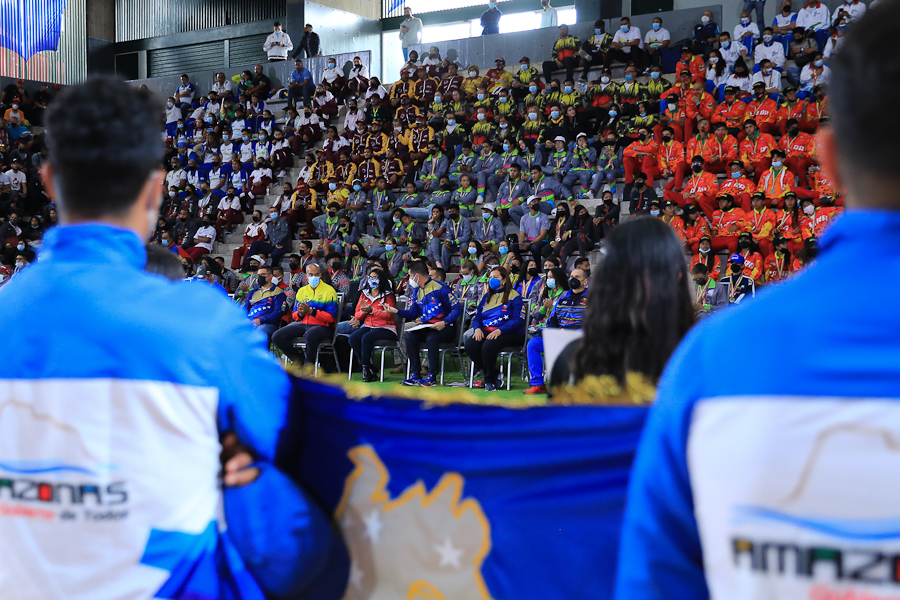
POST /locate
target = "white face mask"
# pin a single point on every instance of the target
(702, 251)
(713, 60)
(809, 210)
(473, 73)
(745, 21)
(704, 19)
(275, 281)
(604, 79)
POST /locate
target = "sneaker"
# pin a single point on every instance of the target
(489, 387)
(479, 199)
(414, 380)
(589, 195)
(281, 174)
(427, 382)
(533, 390)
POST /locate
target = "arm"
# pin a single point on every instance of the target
(515, 320)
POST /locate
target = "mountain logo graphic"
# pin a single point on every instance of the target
(835, 492)
(31, 26)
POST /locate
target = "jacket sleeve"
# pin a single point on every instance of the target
(273, 315)
(450, 300)
(328, 313)
(515, 322)
(660, 545)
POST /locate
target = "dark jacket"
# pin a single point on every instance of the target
(309, 43)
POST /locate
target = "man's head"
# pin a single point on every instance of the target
(104, 139)
(700, 274)
(418, 273)
(578, 280)
(264, 275)
(308, 28)
(563, 31)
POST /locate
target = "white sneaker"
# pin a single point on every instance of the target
(589, 194)
(479, 199)
(281, 173)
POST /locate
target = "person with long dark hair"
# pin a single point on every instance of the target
(638, 309)
(498, 323)
(371, 321)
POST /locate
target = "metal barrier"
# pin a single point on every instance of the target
(279, 73)
(538, 44)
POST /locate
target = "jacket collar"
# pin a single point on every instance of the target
(94, 243)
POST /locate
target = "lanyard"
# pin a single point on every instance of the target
(485, 227)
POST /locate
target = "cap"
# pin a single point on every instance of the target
(668, 203)
(789, 88)
(736, 162)
(524, 59)
(690, 209)
(488, 206)
(473, 66)
(501, 59)
(582, 134)
(705, 237)
(559, 138)
(758, 195)
(656, 202)
(792, 194)
(724, 197)
(778, 240)
(736, 258)
(730, 89)
(685, 49)
(202, 270)
(747, 234)
(20, 80)
(759, 84)
(258, 259)
(357, 181)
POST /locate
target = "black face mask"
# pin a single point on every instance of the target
(535, 207)
(696, 168)
(253, 267)
(574, 283)
(445, 186)
(744, 244)
(700, 281)
(262, 280)
(642, 137)
(639, 184)
(515, 269)
(354, 253)
(332, 213)
(533, 272)
(256, 218)
(294, 265)
(736, 268)
(666, 139)
(794, 131)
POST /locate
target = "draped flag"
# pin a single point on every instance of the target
(471, 502)
(30, 26)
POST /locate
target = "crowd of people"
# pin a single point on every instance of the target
(495, 175)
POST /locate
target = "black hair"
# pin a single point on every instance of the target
(418, 267)
(507, 287)
(100, 127)
(639, 304)
(163, 262)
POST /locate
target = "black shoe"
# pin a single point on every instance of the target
(369, 375)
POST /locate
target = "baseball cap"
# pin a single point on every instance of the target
(582, 134)
(488, 206)
(559, 138)
(258, 259)
(736, 258)
(524, 59)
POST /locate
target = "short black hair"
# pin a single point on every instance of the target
(101, 127)
(418, 267)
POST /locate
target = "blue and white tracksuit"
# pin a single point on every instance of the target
(776, 480)
(111, 410)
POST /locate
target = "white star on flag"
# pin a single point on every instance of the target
(373, 526)
(356, 575)
(449, 555)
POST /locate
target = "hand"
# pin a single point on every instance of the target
(559, 63)
(237, 460)
(439, 325)
(494, 334)
(597, 221)
(390, 309)
(733, 228)
(479, 335)
(366, 309)
(256, 322)
(354, 323)
(548, 304)
(243, 287)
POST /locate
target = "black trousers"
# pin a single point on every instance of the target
(431, 339)
(484, 353)
(597, 61)
(569, 64)
(314, 334)
(625, 57)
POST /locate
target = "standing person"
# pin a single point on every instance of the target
(278, 45)
(435, 306)
(696, 528)
(498, 323)
(490, 19)
(315, 312)
(309, 43)
(163, 417)
(760, 7)
(548, 15)
(410, 32)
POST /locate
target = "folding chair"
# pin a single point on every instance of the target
(452, 348)
(384, 346)
(508, 353)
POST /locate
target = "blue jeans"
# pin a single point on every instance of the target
(535, 352)
(363, 341)
(268, 329)
(405, 53)
(760, 8)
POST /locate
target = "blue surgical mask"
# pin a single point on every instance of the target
(314, 281)
(502, 99)
(656, 26)
(388, 247)
(654, 74)
(551, 283)
(776, 164)
(473, 251)
(226, 138)
(165, 242)
(532, 89)
(554, 114)
(820, 62)
(568, 89)
(331, 65)
(356, 187)
(624, 28)
(451, 121)
(654, 213)
(503, 250)
(726, 43)
(613, 113)
(396, 220)
(598, 32)
(373, 283)
(523, 67)
(533, 116)
(181, 126)
(629, 77)
(736, 175)
(481, 96)
(438, 99)
(486, 216)
(495, 284)
(468, 277)
(209, 119)
(506, 147)
(491, 5)
(332, 186)
(246, 139)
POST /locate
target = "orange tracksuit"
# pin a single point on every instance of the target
(715, 272)
(786, 111)
(718, 153)
(816, 224)
(765, 113)
(776, 184)
(727, 226)
(730, 114)
(704, 185)
(693, 233)
(761, 226)
(671, 157)
(677, 224)
(645, 164)
(753, 266)
(695, 65)
(758, 152)
(777, 268)
(784, 226)
(814, 112)
(799, 151)
(741, 189)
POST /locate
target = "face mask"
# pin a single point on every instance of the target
(373, 284)
(776, 164)
(412, 283)
(624, 28)
(256, 218)
(554, 114)
(503, 250)
(629, 77)
(438, 99)
(745, 21)
(473, 73)
(613, 114)
(702, 251)
(505, 146)
(642, 136)
(467, 277)
(551, 283)
(713, 60)
(388, 247)
(819, 62)
(495, 284)
(809, 210)
(654, 74)
(481, 96)
(396, 220)
(332, 213)
(532, 116)
(744, 244)
(574, 283)
(654, 213)
(314, 281)
(331, 65)
(767, 38)
(332, 186)
(568, 89)
(20, 247)
(170, 104)
(532, 89)
(696, 168)
(726, 43)
(532, 272)
(481, 116)
(245, 138)
(491, 5)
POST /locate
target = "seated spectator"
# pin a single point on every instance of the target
(769, 50)
(204, 239)
(265, 302)
(497, 324)
(814, 74)
(371, 321)
(705, 35)
(739, 285)
(746, 32)
(655, 41)
(533, 229)
(315, 311)
(254, 232)
(626, 46)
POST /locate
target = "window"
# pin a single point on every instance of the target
(566, 16)
(520, 22)
(442, 33)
